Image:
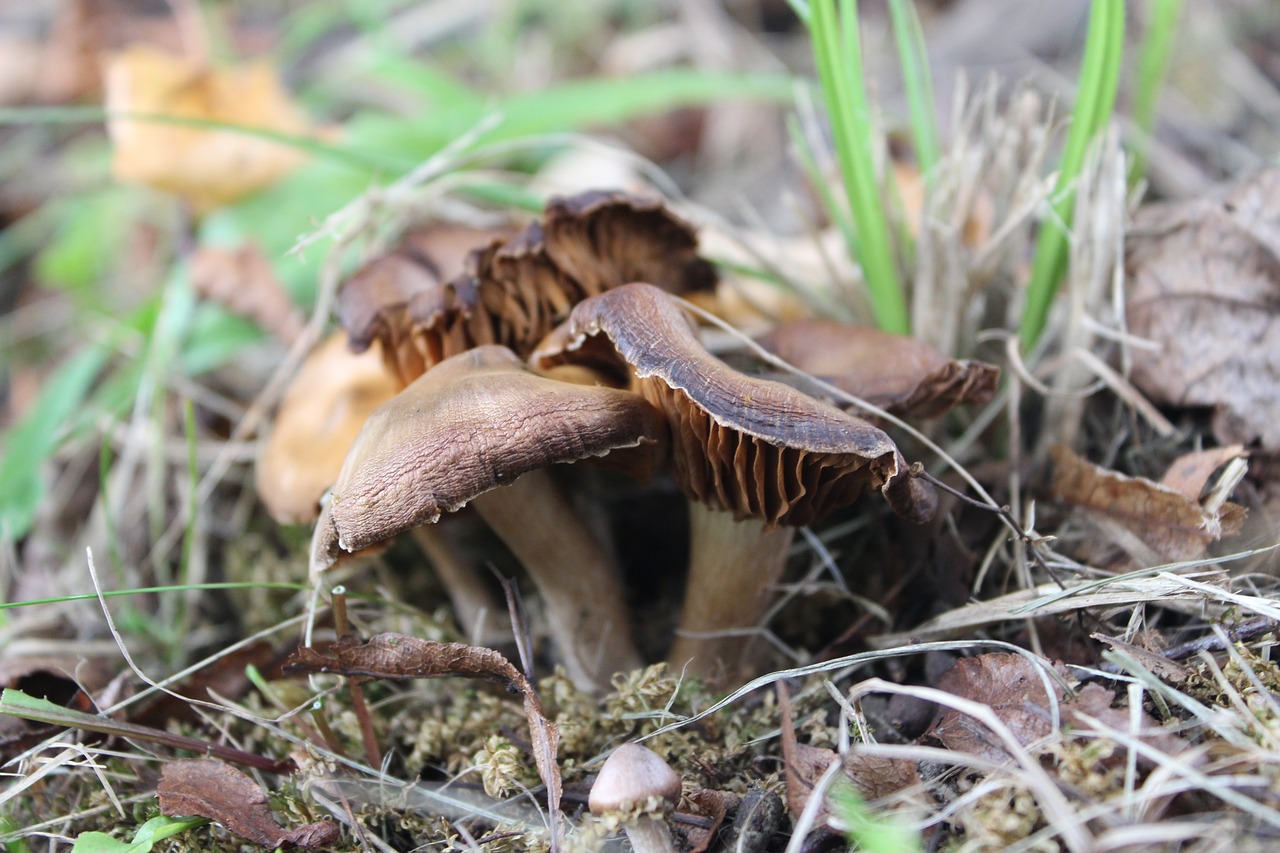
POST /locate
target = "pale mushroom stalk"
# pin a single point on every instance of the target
(574, 574)
(734, 567)
(482, 618)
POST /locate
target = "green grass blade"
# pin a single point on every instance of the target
(838, 56)
(918, 84)
(1153, 62)
(1099, 77)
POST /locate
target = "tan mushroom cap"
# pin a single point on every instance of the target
(323, 410)
(902, 375)
(474, 422)
(513, 292)
(630, 776)
(755, 447)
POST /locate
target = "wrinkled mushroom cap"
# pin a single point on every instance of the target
(473, 423)
(323, 410)
(629, 777)
(755, 447)
(513, 292)
(902, 375)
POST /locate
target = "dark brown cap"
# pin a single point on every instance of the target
(475, 422)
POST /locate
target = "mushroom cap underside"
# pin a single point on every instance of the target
(513, 292)
(758, 448)
(473, 423)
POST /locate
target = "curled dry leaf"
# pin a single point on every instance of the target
(1172, 524)
(207, 788)
(1204, 286)
(513, 292)
(209, 167)
(902, 375)
(397, 656)
(243, 282)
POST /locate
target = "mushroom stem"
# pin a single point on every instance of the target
(476, 608)
(733, 566)
(650, 834)
(574, 573)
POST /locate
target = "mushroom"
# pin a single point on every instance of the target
(325, 406)
(513, 292)
(321, 414)
(480, 428)
(902, 375)
(756, 458)
(639, 788)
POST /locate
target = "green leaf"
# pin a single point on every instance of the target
(870, 832)
(35, 438)
(156, 829)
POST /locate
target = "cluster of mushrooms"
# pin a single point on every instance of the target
(566, 343)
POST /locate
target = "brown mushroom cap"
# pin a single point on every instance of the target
(629, 777)
(755, 447)
(513, 292)
(471, 424)
(902, 375)
(323, 410)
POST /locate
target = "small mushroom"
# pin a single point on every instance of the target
(514, 291)
(904, 376)
(639, 788)
(480, 428)
(757, 458)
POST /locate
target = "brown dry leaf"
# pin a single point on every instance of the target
(1190, 472)
(713, 806)
(207, 788)
(1171, 524)
(803, 765)
(1014, 688)
(1204, 285)
(209, 167)
(397, 656)
(902, 375)
(243, 282)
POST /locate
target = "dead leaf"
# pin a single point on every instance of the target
(243, 282)
(1014, 688)
(902, 375)
(207, 788)
(874, 776)
(1171, 524)
(712, 806)
(209, 167)
(1167, 670)
(1204, 285)
(1189, 474)
(397, 656)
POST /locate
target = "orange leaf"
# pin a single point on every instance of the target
(209, 167)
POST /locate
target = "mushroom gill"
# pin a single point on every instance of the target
(513, 291)
(756, 457)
